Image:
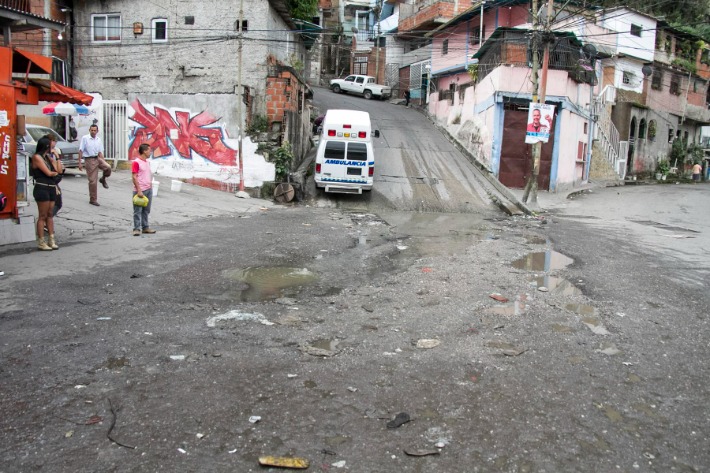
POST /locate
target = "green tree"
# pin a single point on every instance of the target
(303, 9)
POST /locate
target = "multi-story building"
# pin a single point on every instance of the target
(190, 77)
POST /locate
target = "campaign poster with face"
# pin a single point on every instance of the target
(540, 123)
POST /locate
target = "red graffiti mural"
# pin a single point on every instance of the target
(193, 134)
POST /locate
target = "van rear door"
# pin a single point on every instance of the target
(345, 164)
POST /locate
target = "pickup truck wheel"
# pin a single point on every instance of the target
(367, 94)
(336, 89)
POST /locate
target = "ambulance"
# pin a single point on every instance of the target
(345, 161)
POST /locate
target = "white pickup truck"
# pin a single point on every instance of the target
(363, 85)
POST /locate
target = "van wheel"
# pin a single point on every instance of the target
(336, 89)
(367, 94)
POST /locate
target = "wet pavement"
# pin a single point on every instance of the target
(243, 330)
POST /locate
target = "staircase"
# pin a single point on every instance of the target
(607, 135)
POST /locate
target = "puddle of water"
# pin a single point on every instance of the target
(438, 234)
(556, 285)
(514, 308)
(269, 283)
(324, 344)
(543, 261)
(581, 309)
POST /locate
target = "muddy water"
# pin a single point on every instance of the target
(437, 234)
(265, 283)
(556, 285)
(543, 261)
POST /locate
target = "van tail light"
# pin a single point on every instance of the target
(371, 172)
(317, 168)
(331, 132)
(362, 134)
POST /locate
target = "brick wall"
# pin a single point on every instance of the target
(443, 10)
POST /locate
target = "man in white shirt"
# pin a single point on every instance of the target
(91, 150)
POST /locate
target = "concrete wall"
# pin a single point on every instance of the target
(194, 138)
(198, 58)
(620, 21)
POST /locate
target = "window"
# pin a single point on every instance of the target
(657, 80)
(445, 48)
(652, 130)
(675, 85)
(245, 26)
(106, 28)
(160, 30)
(642, 129)
(476, 36)
(627, 77)
(670, 135)
(636, 30)
(360, 65)
(357, 152)
(59, 71)
(359, 80)
(334, 150)
(360, 68)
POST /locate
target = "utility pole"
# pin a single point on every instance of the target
(531, 185)
(240, 98)
(378, 11)
(480, 33)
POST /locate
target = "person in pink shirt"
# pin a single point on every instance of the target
(142, 186)
(697, 170)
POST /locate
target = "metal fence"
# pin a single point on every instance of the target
(115, 130)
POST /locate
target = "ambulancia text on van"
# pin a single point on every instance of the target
(345, 161)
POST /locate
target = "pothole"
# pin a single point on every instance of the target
(265, 283)
(543, 261)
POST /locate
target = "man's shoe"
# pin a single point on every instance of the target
(148, 230)
(95, 203)
(103, 182)
(136, 233)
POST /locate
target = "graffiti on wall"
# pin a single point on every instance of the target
(190, 145)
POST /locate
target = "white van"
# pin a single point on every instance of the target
(345, 161)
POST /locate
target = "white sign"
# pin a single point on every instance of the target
(540, 122)
(3, 118)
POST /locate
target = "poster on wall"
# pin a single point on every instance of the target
(540, 122)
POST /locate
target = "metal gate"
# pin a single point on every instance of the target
(515, 155)
(115, 130)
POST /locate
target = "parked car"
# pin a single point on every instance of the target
(70, 151)
(362, 85)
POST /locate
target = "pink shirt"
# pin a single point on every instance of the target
(145, 175)
(697, 169)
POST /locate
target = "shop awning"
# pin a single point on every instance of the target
(25, 62)
(51, 91)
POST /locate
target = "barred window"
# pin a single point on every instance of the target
(675, 85)
(657, 80)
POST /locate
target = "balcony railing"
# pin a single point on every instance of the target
(512, 49)
(19, 5)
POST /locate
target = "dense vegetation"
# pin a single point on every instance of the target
(303, 9)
